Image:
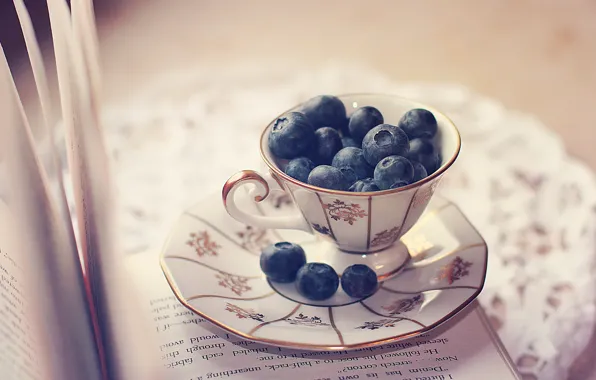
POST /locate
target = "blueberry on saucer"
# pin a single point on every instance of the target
(281, 261)
(317, 281)
(359, 280)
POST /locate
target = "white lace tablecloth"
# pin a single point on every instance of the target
(185, 134)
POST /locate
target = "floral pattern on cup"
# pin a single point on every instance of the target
(323, 230)
(340, 210)
(425, 194)
(353, 217)
(385, 237)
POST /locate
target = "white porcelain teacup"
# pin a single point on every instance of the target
(357, 222)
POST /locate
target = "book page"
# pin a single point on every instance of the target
(93, 194)
(193, 349)
(18, 352)
(52, 278)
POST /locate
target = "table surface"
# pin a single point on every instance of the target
(535, 55)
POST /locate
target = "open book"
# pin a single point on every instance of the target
(72, 307)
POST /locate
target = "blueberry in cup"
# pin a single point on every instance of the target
(328, 177)
(291, 136)
(393, 172)
(326, 144)
(364, 185)
(382, 141)
(327, 149)
(419, 122)
(325, 111)
(353, 158)
(299, 168)
(363, 120)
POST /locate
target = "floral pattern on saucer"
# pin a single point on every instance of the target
(211, 262)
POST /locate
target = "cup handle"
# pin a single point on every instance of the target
(259, 193)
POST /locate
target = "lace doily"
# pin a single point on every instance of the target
(186, 134)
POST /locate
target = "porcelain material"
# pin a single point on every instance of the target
(356, 222)
(211, 261)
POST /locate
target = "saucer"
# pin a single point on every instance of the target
(211, 262)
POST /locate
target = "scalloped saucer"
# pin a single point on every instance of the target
(212, 264)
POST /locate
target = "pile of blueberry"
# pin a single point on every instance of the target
(325, 148)
(286, 262)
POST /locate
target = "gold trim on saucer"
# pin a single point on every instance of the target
(386, 276)
(427, 290)
(209, 266)
(339, 336)
(397, 318)
(251, 332)
(229, 298)
(324, 347)
(220, 232)
(441, 256)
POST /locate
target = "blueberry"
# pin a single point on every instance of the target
(291, 136)
(344, 127)
(393, 171)
(424, 151)
(300, 168)
(358, 280)
(281, 261)
(363, 120)
(352, 158)
(327, 143)
(347, 142)
(328, 177)
(419, 171)
(382, 141)
(420, 147)
(399, 184)
(317, 281)
(364, 185)
(325, 111)
(418, 122)
(431, 162)
(349, 174)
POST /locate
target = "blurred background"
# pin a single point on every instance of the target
(537, 56)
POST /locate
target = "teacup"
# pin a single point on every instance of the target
(363, 222)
